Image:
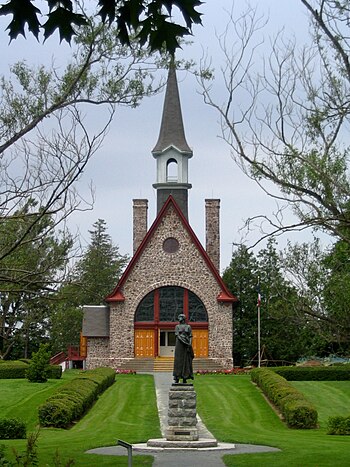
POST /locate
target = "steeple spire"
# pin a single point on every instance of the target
(172, 131)
(172, 151)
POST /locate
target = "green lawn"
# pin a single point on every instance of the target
(235, 411)
(127, 410)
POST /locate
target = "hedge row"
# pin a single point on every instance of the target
(338, 425)
(297, 411)
(314, 373)
(72, 400)
(16, 369)
(12, 428)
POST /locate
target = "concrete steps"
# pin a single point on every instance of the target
(164, 364)
(205, 364)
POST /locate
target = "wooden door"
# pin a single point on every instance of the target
(83, 346)
(144, 343)
(200, 342)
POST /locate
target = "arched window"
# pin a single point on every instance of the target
(166, 303)
(171, 171)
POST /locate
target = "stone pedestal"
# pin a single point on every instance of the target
(182, 413)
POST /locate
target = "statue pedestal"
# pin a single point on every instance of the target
(182, 413)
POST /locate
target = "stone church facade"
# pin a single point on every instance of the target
(170, 272)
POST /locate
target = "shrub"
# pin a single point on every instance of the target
(13, 370)
(316, 373)
(72, 400)
(38, 368)
(17, 369)
(338, 425)
(54, 371)
(297, 411)
(57, 413)
(12, 428)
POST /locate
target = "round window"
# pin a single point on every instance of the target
(170, 245)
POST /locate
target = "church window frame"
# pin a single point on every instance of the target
(162, 306)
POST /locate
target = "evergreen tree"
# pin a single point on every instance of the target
(38, 370)
(100, 267)
(241, 277)
(337, 296)
(287, 332)
(94, 277)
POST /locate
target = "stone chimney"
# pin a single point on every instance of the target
(212, 230)
(140, 208)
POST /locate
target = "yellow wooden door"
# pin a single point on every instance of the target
(83, 346)
(200, 342)
(144, 343)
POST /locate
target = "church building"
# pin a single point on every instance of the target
(170, 272)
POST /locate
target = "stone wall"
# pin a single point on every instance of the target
(140, 208)
(212, 230)
(184, 268)
(97, 352)
(156, 268)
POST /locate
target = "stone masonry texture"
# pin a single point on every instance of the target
(212, 227)
(156, 268)
(140, 208)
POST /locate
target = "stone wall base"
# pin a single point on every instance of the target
(182, 413)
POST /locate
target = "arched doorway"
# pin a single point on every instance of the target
(157, 315)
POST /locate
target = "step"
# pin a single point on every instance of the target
(164, 364)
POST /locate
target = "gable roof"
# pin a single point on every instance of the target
(224, 296)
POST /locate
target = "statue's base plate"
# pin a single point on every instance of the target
(200, 443)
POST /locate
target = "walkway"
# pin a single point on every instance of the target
(203, 457)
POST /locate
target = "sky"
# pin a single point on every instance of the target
(124, 169)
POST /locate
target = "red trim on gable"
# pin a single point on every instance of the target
(224, 296)
(117, 297)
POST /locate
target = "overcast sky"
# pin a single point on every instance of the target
(124, 168)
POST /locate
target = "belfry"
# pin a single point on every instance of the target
(170, 272)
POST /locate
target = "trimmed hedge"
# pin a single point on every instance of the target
(314, 373)
(16, 369)
(338, 425)
(13, 369)
(297, 411)
(12, 428)
(72, 400)
(55, 372)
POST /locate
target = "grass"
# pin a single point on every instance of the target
(127, 410)
(235, 411)
(232, 408)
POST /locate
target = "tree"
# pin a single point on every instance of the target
(93, 277)
(241, 277)
(45, 142)
(28, 280)
(150, 20)
(65, 323)
(288, 122)
(336, 295)
(100, 267)
(287, 333)
(38, 370)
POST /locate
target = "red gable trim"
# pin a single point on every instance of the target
(224, 296)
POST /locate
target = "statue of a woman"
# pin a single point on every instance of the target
(183, 351)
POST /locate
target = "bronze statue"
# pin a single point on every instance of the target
(183, 351)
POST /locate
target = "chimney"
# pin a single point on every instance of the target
(140, 208)
(212, 230)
